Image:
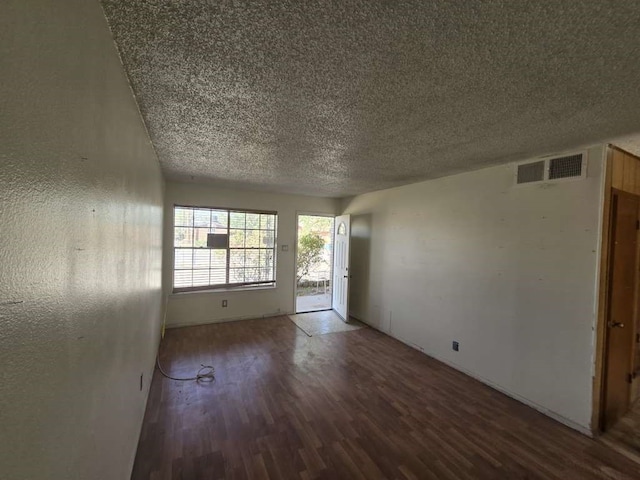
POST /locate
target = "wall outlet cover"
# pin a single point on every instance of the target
(456, 346)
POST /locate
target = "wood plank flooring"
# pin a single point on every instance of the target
(624, 436)
(349, 405)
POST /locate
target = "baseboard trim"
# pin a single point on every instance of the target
(545, 411)
(228, 319)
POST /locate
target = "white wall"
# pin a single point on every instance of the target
(206, 307)
(509, 272)
(80, 247)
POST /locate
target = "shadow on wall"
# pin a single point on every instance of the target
(360, 265)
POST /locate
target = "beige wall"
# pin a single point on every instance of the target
(206, 307)
(508, 271)
(80, 247)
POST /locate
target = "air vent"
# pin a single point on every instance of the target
(554, 169)
(565, 167)
(531, 172)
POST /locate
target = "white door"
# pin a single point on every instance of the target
(342, 237)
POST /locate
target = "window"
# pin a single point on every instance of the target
(216, 247)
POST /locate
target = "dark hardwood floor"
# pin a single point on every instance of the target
(624, 436)
(350, 405)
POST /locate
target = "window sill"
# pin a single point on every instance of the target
(248, 288)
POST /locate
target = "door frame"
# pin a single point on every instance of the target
(304, 213)
(614, 178)
(617, 195)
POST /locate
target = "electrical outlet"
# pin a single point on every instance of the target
(141, 381)
(456, 346)
(224, 304)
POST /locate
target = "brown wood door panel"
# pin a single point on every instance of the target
(635, 385)
(619, 353)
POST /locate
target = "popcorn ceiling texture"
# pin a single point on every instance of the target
(339, 98)
(630, 144)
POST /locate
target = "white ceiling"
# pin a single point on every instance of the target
(343, 97)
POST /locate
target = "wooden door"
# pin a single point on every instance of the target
(342, 240)
(620, 318)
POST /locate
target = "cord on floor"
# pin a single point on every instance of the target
(205, 374)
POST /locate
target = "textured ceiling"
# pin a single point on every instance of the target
(341, 97)
(630, 144)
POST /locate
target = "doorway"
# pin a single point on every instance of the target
(314, 263)
(619, 328)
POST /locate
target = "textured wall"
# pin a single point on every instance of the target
(205, 307)
(509, 272)
(80, 256)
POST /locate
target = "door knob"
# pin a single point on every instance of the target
(615, 324)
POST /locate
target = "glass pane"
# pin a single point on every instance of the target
(183, 258)
(267, 222)
(219, 219)
(236, 238)
(268, 239)
(236, 259)
(236, 275)
(252, 239)
(252, 275)
(218, 277)
(266, 274)
(266, 258)
(202, 218)
(237, 220)
(252, 258)
(200, 237)
(182, 237)
(182, 278)
(183, 217)
(218, 259)
(253, 220)
(200, 278)
(201, 258)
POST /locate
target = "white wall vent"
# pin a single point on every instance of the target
(531, 172)
(566, 167)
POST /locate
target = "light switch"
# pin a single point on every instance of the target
(285, 248)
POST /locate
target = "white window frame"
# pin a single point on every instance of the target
(227, 284)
